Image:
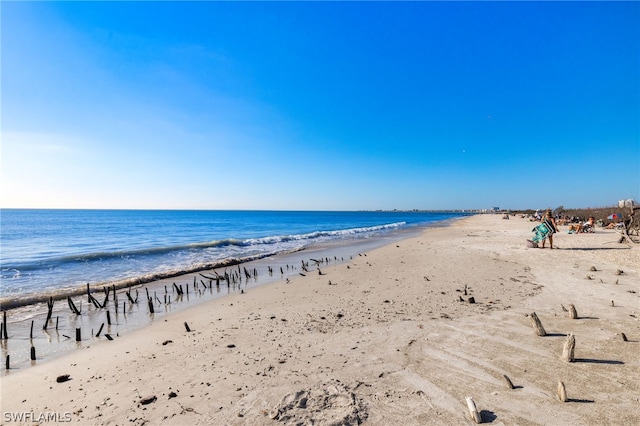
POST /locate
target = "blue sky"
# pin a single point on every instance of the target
(320, 105)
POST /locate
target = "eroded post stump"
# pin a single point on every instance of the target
(569, 347)
(535, 321)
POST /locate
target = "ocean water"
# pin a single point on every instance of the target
(48, 252)
(148, 255)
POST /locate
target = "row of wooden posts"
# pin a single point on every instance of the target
(234, 278)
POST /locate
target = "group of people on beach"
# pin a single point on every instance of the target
(588, 226)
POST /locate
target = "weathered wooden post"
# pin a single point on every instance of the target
(562, 392)
(473, 410)
(537, 324)
(33, 353)
(569, 347)
(573, 314)
(78, 335)
(49, 313)
(508, 381)
(5, 335)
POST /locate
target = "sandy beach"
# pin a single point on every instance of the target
(387, 338)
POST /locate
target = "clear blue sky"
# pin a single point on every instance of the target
(320, 106)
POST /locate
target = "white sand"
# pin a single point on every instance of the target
(387, 342)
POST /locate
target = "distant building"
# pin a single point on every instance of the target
(627, 203)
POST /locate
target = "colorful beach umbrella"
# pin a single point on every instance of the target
(613, 216)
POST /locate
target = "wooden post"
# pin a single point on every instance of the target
(573, 314)
(31, 332)
(33, 353)
(471, 405)
(569, 347)
(57, 318)
(508, 381)
(99, 330)
(78, 335)
(49, 312)
(624, 337)
(72, 306)
(187, 326)
(537, 324)
(6, 363)
(6, 325)
(562, 392)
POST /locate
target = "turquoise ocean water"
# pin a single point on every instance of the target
(45, 252)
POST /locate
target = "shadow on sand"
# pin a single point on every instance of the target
(599, 361)
(487, 416)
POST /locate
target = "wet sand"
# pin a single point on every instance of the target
(388, 337)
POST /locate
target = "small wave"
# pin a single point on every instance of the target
(319, 234)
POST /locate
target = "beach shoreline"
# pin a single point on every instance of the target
(387, 336)
(119, 315)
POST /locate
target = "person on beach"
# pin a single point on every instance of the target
(550, 222)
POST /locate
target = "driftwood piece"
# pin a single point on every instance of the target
(473, 410)
(573, 314)
(562, 392)
(63, 378)
(535, 321)
(148, 400)
(569, 347)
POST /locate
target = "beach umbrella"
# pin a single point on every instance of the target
(613, 216)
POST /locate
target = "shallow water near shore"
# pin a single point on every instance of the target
(59, 337)
(49, 253)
